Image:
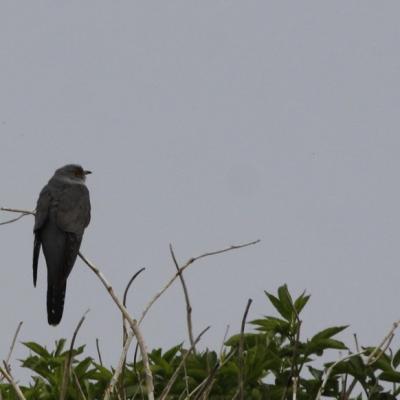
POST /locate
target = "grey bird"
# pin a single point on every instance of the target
(62, 214)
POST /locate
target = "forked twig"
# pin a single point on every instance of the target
(186, 265)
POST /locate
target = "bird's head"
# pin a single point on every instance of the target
(72, 172)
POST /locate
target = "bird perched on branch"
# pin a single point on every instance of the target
(62, 214)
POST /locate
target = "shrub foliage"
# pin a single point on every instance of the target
(275, 363)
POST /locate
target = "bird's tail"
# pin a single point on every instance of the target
(55, 302)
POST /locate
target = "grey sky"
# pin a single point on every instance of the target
(206, 124)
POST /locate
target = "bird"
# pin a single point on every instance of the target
(62, 215)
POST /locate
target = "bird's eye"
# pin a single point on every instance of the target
(78, 173)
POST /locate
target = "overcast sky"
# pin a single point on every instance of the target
(206, 124)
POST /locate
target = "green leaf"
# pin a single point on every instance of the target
(171, 353)
(390, 376)
(272, 324)
(329, 332)
(249, 339)
(279, 306)
(36, 348)
(396, 359)
(301, 301)
(318, 346)
(83, 366)
(286, 298)
(59, 347)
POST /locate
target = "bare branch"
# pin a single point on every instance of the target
(170, 383)
(69, 359)
(187, 300)
(7, 374)
(186, 265)
(133, 323)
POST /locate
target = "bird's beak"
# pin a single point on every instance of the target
(87, 172)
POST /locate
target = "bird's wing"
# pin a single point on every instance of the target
(73, 211)
(42, 208)
(41, 216)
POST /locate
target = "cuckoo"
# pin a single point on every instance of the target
(62, 214)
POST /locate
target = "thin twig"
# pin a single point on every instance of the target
(356, 341)
(7, 374)
(135, 275)
(23, 213)
(124, 323)
(133, 323)
(78, 385)
(240, 392)
(17, 210)
(14, 219)
(118, 370)
(186, 265)
(124, 328)
(12, 347)
(187, 300)
(221, 350)
(186, 379)
(171, 382)
(69, 359)
(98, 351)
(386, 340)
(13, 341)
(208, 381)
(295, 382)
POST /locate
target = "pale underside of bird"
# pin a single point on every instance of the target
(62, 214)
